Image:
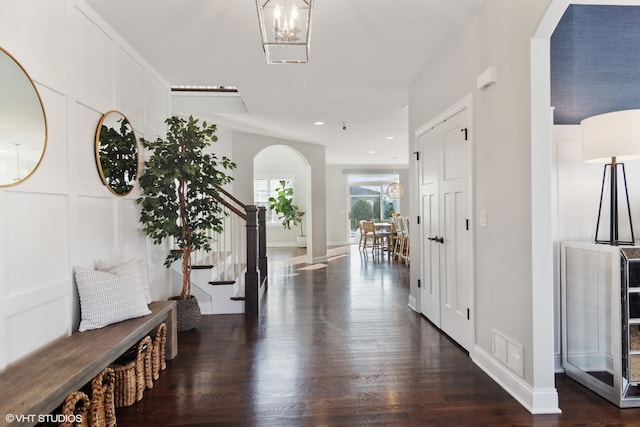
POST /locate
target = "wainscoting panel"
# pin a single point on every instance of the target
(39, 261)
(42, 324)
(36, 38)
(63, 216)
(93, 59)
(51, 175)
(96, 229)
(130, 88)
(130, 238)
(157, 103)
(83, 170)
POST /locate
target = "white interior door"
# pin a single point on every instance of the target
(446, 284)
(430, 226)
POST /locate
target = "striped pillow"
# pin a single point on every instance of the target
(141, 276)
(107, 298)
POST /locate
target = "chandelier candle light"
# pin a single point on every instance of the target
(285, 26)
(611, 138)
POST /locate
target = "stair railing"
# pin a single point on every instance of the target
(245, 235)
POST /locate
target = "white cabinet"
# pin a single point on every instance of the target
(600, 287)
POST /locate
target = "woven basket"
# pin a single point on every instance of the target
(102, 412)
(77, 403)
(187, 313)
(147, 364)
(158, 362)
(132, 376)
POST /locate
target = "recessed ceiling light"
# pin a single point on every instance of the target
(372, 152)
(318, 123)
(390, 137)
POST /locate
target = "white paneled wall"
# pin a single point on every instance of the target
(130, 87)
(63, 216)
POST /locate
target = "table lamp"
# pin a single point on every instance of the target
(612, 138)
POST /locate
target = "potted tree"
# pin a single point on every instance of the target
(301, 240)
(179, 198)
(289, 213)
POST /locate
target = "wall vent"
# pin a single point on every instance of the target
(508, 352)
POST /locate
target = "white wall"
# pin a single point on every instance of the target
(499, 36)
(63, 216)
(338, 206)
(247, 145)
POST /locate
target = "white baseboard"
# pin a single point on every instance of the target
(413, 303)
(557, 363)
(282, 245)
(338, 243)
(536, 401)
(316, 260)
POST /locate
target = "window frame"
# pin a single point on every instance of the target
(273, 182)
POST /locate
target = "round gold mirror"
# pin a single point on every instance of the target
(116, 153)
(23, 126)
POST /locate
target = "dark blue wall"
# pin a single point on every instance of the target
(595, 62)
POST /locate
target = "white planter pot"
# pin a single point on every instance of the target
(301, 241)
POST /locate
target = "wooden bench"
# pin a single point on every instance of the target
(39, 383)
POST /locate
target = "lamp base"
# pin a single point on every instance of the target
(615, 242)
(613, 205)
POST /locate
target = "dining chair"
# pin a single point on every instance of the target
(361, 229)
(365, 236)
(397, 244)
(404, 249)
(370, 236)
(401, 246)
(383, 233)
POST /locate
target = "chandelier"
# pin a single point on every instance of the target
(395, 190)
(285, 27)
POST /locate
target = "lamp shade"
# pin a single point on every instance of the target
(608, 135)
(395, 190)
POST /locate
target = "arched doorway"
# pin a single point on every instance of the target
(272, 165)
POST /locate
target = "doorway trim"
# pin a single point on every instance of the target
(465, 103)
(545, 275)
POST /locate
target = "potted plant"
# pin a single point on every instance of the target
(289, 213)
(301, 240)
(179, 198)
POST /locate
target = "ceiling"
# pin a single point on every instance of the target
(364, 55)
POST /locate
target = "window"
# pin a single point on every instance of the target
(368, 199)
(263, 188)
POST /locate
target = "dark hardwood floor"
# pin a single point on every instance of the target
(337, 345)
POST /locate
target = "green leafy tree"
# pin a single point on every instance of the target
(361, 210)
(179, 195)
(118, 157)
(376, 208)
(388, 209)
(283, 205)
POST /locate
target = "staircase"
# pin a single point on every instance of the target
(232, 276)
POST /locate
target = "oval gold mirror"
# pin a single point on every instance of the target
(116, 153)
(23, 125)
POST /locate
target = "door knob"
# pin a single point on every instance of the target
(436, 239)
